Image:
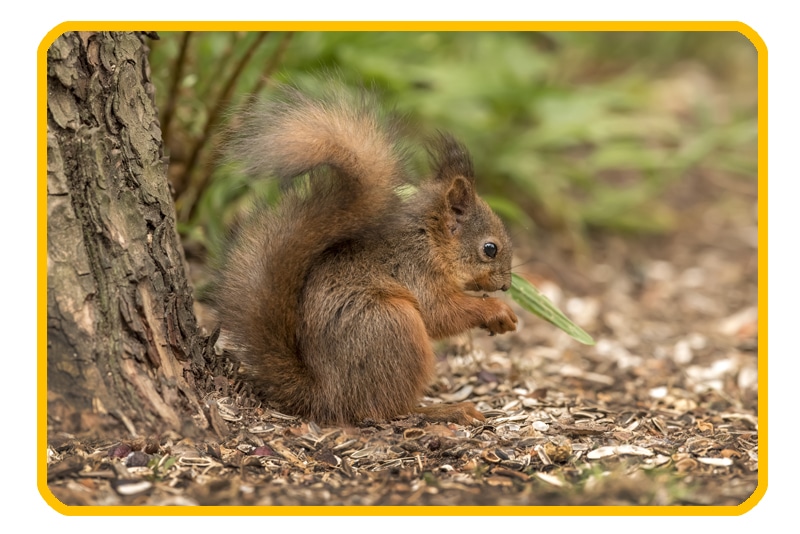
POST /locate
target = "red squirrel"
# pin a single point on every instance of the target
(332, 296)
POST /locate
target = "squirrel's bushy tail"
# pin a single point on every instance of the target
(355, 162)
(295, 132)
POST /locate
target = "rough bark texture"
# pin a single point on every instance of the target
(122, 336)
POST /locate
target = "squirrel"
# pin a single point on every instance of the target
(333, 296)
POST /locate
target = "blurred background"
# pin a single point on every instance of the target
(575, 135)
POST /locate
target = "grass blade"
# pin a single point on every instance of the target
(530, 298)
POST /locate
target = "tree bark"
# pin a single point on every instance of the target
(122, 336)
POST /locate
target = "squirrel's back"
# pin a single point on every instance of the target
(355, 161)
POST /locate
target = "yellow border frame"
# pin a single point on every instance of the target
(41, 397)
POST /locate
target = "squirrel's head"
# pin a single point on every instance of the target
(483, 254)
(474, 235)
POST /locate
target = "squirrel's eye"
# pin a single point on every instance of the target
(490, 249)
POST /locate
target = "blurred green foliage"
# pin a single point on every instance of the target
(568, 130)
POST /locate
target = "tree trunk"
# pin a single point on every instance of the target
(122, 336)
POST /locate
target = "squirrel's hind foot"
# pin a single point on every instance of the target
(462, 413)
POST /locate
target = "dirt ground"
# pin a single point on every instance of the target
(662, 410)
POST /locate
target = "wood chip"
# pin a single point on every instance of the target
(618, 450)
(720, 462)
(551, 479)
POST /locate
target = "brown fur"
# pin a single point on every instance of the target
(333, 295)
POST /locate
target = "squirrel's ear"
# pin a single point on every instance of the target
(460, 197)
(453, 170)
(449, 158)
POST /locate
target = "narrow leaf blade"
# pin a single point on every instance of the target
(530, 298)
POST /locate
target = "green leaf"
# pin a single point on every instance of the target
(169, 463)
(535, 302)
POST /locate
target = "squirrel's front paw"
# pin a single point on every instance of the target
(499, 317)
